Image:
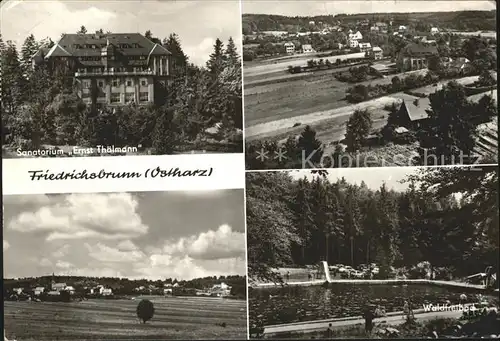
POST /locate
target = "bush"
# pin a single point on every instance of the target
(248, 56)
(444, 273)
(420, 271)
(145, 310)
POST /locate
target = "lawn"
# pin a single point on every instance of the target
(271, 102)
(175, 318)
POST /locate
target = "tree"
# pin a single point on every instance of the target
(215, 63)
(396, 83)
(145, 310)
(82, 30)
(310, 146)
(472, 47)
(435, 63)
(358, 93)
(231, 53)
(29, 48)
(271, 232)
(150, 36)
(12, 78)
(450, 130)
(485, 109)
(474, 222)
(358, 129)
(486, 78)
(164, 135)
(179, 58)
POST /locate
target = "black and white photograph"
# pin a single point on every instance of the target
(377, 253)
(337, 84)
(125, 266)
(104, 78)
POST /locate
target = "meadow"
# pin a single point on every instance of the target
(185, 318)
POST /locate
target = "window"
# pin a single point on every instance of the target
(144, 82)
(86, 84)
(143, 97)
(116, 82)
(115, 98)
(142, 57)
(129, 82)
(129, 97)
(100, 84)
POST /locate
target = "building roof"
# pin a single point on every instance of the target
(288, 43)
(377, 49)
(419, 49)
(128, 44)
(307, 46)
(401, 130)
(57, 51)
(365, 44)
(417, 109)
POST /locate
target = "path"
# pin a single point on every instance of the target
(454, 284)
(282, 126)
(283, 65)
(394, 318)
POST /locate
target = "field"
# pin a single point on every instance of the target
(277, 110)
(267, 67)
(185, 318)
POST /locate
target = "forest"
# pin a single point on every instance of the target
(463, 20)
(125, 286)
(446, 216)
(41, 108)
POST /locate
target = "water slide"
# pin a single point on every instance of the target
(326, 269)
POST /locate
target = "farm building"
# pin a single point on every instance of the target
(107, 292)
(220, 290)
(355, 36)
(434, 30)
(412, 114)
(415, 57)
(375, 53)
(364, 47)
(69, 289)
(39, 290)
(168, 291)
(307, 48)
(289, 47)
(18, 291)
(58, 286)
(383, 69)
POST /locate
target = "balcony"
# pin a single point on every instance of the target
(115, 73)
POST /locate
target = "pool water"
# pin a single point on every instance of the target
(295, 304)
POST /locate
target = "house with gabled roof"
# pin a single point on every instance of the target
(110, 69)
(415, 57)
(413, 113)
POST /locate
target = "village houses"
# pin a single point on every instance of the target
(289, 47)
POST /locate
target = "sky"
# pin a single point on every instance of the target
(373, 177)
(154, 235)
(312, 8)
(197, 23)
